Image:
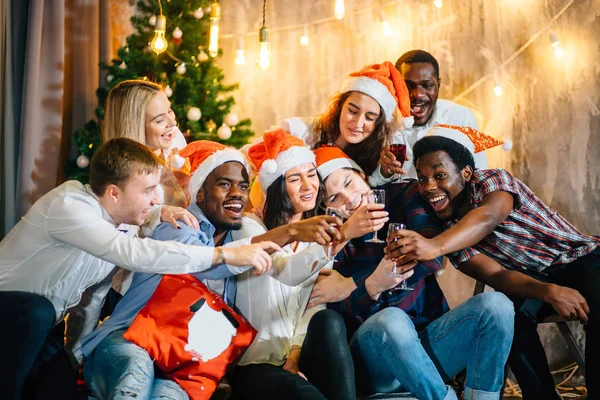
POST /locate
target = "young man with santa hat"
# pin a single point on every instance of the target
(499, 232)
(219, 185)
(407, 340)
(63, 253)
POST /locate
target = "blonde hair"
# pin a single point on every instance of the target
(125, 115)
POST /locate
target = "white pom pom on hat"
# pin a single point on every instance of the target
(177, 162)
(269, 166)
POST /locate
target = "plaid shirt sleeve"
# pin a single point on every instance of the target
(486, 181)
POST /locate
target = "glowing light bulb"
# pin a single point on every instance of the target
(213, 42)
(159, 43)
(498, 90)
(304, 39)
(240, 58)
(385, 25)
(340, 9)
(438, 3)
(558, 50)
(263, 58)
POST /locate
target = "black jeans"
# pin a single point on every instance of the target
(527, 359)
(325, 360)
(33, 363)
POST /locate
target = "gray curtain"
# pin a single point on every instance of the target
(49, 55)
(13, 20)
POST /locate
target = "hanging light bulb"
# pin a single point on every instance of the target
(438, 3)
(498, 89)
(385, 25)
(340, 9)
(240, 58)
(159, 43)
(304, 39)
(263, 58)
(558, 50)
(213, 41)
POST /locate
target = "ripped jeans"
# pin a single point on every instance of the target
(120, 369)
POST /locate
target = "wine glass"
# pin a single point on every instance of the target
(376, 196)
(334, 212)
(394, 273)
(398, 149)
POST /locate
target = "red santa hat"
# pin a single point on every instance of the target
(205, 156)
(332, 158)
(383, 83)
(276, 153)
(473, 139)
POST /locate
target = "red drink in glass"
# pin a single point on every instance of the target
(399, 151)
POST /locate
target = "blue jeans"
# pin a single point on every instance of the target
(120, 369)
(390, 355)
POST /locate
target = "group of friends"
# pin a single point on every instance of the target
(325, 329)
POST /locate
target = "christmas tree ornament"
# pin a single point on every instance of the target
(177, 33)
(181, 69)
(152, 20)
(194, 114)
(123, 65)
(109, 78)
(83, 161)
(199, 13)
(224, 132)
(202, 56)
(215, 17)
(168, 91)
(263, 56)
(210, 125)
(232, 119)
(159, 43)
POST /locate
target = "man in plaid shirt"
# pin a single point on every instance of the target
(407, 340)
(499, 232)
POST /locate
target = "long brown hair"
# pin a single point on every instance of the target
(326, 130)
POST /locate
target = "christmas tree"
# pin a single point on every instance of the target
(192, 81)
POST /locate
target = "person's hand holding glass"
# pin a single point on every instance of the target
(334, 212)
(376, 196)
(395, 273)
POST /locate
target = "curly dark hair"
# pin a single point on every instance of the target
(366, 153)
(278, 207)
(459, 154)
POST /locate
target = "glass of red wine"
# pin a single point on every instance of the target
(399, 151)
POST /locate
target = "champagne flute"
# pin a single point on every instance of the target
(376, 196)
(334, 212)
(393, 226)
(398, 149)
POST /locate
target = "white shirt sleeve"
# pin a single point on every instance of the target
(77, 223)
(302, 327)
(377, 179)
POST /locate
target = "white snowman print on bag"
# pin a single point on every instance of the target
(209, 331)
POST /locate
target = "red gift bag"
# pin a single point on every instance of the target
(191, 334)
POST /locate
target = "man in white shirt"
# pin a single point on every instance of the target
(421, 73)
(64, 251)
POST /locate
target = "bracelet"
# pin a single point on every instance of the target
(222, 254)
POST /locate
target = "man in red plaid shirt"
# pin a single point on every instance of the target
(497, 231)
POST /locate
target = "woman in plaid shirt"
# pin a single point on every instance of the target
(499, 232)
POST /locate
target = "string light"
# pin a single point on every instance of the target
(159, 43)
(304, 39)
(438, 3)
(558, 50)
(497, 88)
(240, 58)
(263, 58)
(215, 16)
(385, 25)
(339, 10)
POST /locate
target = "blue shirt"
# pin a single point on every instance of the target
(143, 285)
